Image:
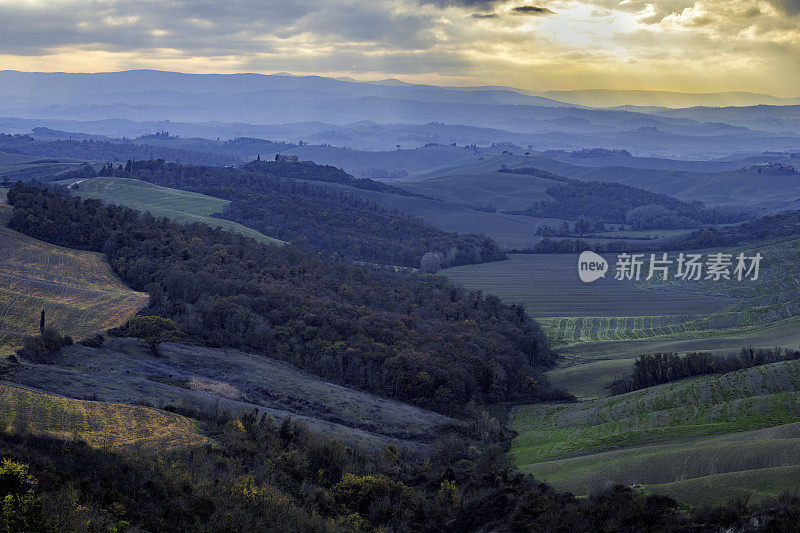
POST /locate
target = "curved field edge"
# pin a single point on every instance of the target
(181, 206)
(718, 489)
(747, 454)
(78, 290)
(755, 398)
(99, 424)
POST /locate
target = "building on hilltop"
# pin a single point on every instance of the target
(286, 158)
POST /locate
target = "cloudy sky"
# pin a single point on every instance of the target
(682, 45)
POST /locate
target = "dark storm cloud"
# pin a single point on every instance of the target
(205, 27)
(532, 10)
(792, 7)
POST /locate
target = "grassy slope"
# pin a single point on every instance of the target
(508, 230)
(78, 290)
(181, 206)
(584, 320)
(413, 161)
(20, 166)
(210, 379)
(733, 187)
(506, 192)
(108, 425)
(677, 437)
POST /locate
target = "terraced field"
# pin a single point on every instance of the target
(181, 206)
(78, 290)
(689, 439)
(107, 425)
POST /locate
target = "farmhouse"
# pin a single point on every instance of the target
(286, 158)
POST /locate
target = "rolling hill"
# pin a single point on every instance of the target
(180, 206)
(503, 191)
(689, 439)
(78, 290)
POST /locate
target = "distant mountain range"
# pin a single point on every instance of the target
(383, 114)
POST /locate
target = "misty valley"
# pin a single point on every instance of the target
(245, 302)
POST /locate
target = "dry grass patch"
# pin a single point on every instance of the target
(103, 425)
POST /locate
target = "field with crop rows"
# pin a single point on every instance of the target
(78, 291)
(100, 424)
(672, 438)
(572, 311)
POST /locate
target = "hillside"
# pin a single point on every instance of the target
(180, 206)
(113, 426)
(721, 186)
(78, 290)
(380, 330)
(16, 166)
(661, 437)
(214, 380)
(502, 191)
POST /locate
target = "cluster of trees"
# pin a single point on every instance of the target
(307, 170)
(614, 203)
(655, 369)
(591, 153)
(263, 475)
(412, 337)
(783, 224)
(323, 218)
(583, 226)
(41, 348)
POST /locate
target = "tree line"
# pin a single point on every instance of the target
(262, 198)
(659, 368)
(615, 203)
(411, 337)
(97, 150)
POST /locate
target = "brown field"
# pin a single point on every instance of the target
(78, 291)
(104, 425)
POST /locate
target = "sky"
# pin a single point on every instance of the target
(672, 45)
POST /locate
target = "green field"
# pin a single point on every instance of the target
(181, 206)
(674, 438)
(601, 327)
(78, 290)
(107, 425)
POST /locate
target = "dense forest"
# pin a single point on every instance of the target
(323, 218)
(614, 203)
(412, 337)
(655, 369)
